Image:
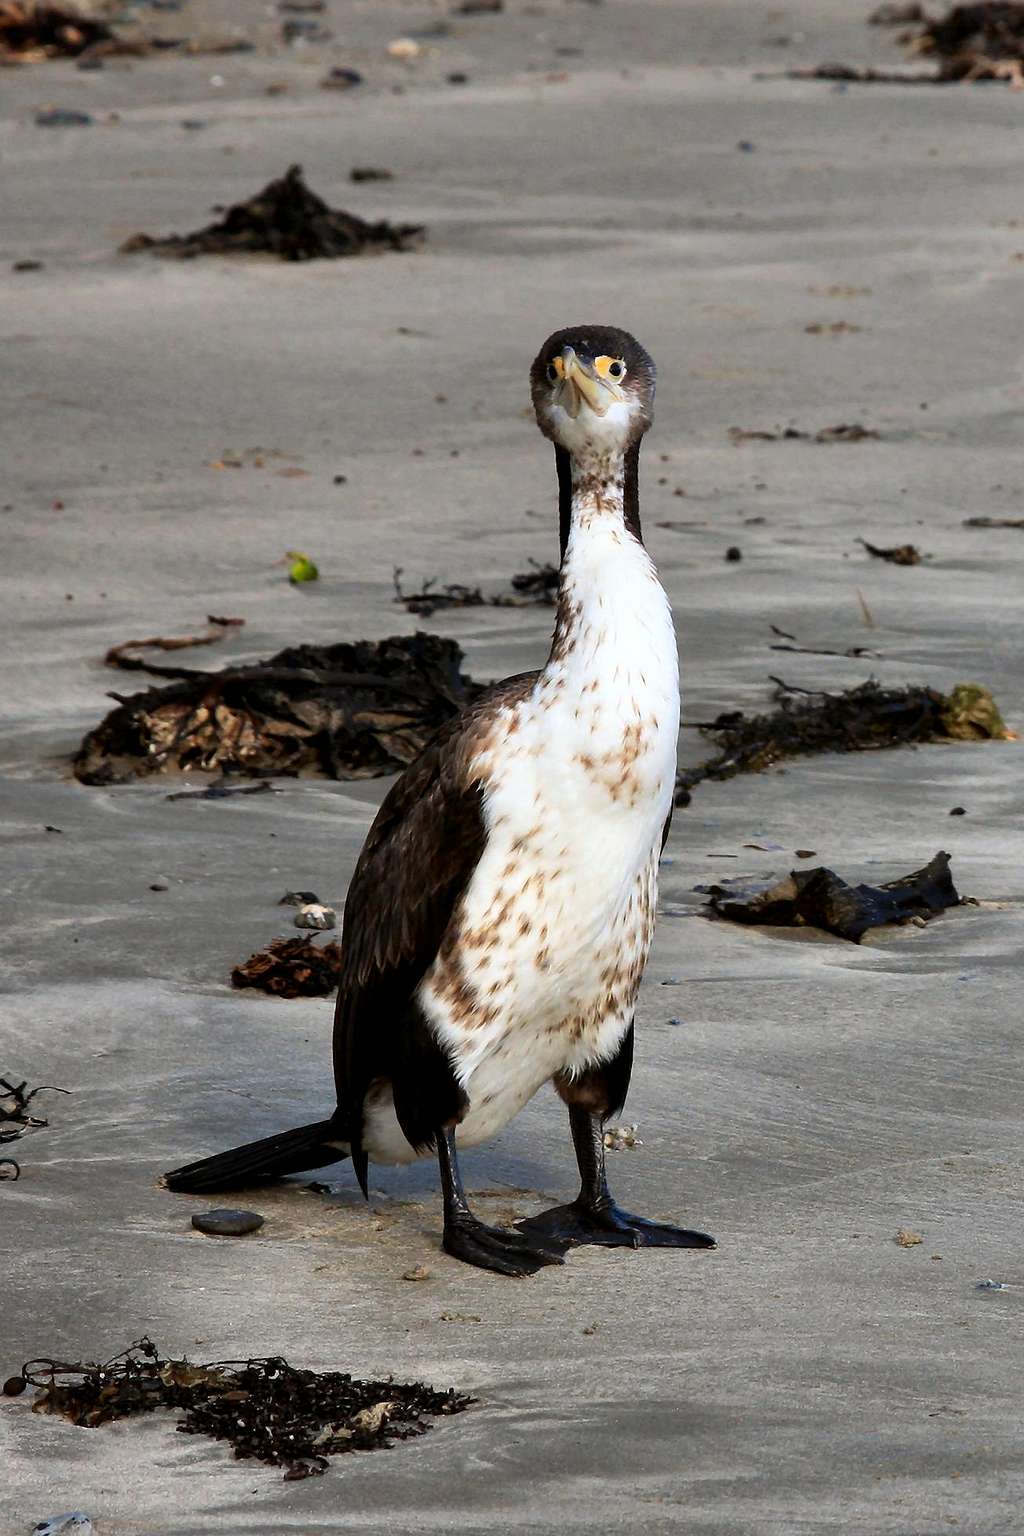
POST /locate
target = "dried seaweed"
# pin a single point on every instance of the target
(842, 432)
(288, 220)
(291, 968)
(265, 1409)
(530, 589)
(819, 898)
(896, 554)
(865, 718)
(994, 522)
(15, 1117)
(31, 32)
(983, 41)
(349, 711)
(120, 655)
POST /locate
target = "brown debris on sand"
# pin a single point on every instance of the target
(843, 432)
(121, 655)
(266, 1409)
(537, 587)
(819, 898)
(982, 41)
(348, 711)
(896, 554)
(287, 220)
(994, 522)
(31, 32)
(291, 968)
(861, 719)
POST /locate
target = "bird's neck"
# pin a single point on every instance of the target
(610, 602)
(597, 485)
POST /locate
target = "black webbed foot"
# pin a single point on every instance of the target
(607, 1225)
(507, 1253)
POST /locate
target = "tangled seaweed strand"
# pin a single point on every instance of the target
(265, 1408)
(861, 719)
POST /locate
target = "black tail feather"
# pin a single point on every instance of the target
(305, 1148)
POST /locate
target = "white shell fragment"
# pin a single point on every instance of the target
(74, 1524)
(621, 1138)
(315, 915)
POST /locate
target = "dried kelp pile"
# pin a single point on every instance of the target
(16, 1119)
(291, 968)
(288, 220)
(819, 898)
(973, 42)
(266, 1410)
(349, 711)
(861, 719)
(983, 41)
(32, 32)
(537, 587)
(843, 432)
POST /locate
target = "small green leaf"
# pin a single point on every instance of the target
(302, 568)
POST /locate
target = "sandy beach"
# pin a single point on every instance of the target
(794, 254)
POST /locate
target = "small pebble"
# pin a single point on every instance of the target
(26, 266)
(316, 916)
(421, 1272)
(734, 552)
(62, 117)
(14, 1386)
(160, 885)
(457, 77)
(74, 1524)
(621, 1138)
(298, 899)
(982, 1285)
(227, 1223)
(341, 79)
(675, 1022)
(958, 810)
(746, 146)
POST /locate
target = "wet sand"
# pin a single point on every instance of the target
(811, 1375)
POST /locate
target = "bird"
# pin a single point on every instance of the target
(500, 914)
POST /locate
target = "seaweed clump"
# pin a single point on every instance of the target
(30, 33)
(861, 719)
(291, 968)
(348, 711)
(983, 41)
(265, 1409)
(288, 220)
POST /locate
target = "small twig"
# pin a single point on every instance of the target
(866, 613)
(119, 655)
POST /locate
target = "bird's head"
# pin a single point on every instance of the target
(593, 389)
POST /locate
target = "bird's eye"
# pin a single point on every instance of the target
(553, 374)
(610, 367)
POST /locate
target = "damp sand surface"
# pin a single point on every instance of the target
(857, 263)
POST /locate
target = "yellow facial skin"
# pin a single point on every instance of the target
(594, 383)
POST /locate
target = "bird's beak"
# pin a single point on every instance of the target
(580, 384)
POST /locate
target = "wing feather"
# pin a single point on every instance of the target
(417, 861)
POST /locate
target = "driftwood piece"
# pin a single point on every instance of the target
(348, 711)
(819, 898)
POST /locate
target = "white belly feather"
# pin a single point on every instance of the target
(554, 928)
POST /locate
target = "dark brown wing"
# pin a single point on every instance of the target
(417, 860)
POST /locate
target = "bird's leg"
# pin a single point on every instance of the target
(467, 1238)
(593, 1217)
